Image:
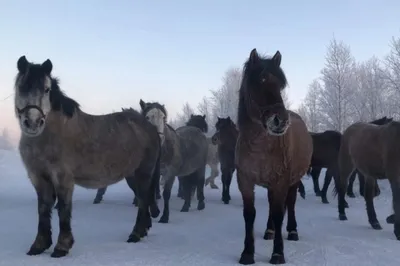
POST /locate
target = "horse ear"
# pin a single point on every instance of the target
(277, 58)
(254, 58)
(142, 104)
(47, 66)
(22, 64)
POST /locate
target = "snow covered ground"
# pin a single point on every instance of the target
(210, 237)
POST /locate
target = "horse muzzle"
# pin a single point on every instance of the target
(277, 126)
(31, 120)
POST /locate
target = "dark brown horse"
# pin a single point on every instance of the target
(375, 152)
(326, 147)
(273, 150)
(61, 146)
(225, 138)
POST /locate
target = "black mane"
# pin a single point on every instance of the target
(250, 75)
(33, 79)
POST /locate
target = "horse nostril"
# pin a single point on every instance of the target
(276, 121)
(26, 123)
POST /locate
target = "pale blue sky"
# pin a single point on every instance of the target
(109, 54)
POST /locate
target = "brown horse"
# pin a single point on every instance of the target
(61, 146)
(375, 152)
(273, 150)
(225, 138)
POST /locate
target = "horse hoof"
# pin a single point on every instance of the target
(163, 220)
(185, 209)
(351, 195)
(58, 253)
(133, 238)
(35, 251)
(293, 236)
(342, 217)
(325, 201)
(376, 226)
(277, 259)
(246, 259)
(269, 236)
(390, 219)
(201, 205)
(154, 211)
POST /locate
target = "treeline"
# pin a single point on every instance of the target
(346, 91)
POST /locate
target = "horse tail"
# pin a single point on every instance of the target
(155, 185)
(309, 171)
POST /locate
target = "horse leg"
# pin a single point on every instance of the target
(169, 181)
(99, 195)
(395, 186)
(350, 192)
(270, 231)
(211, 179)
(302, 190)
(144, 185)
(200, 179)
(226, 182)
(180, 188)
(46, 198)
(369, 201)
(315, 173)
(64, 189)
(327, 182)
(187, 183)
(278, 213)
(249, 214)
(291, 226)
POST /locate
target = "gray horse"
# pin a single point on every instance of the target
(101, 191)
(61, 146)
(183, 154)
(200, 122)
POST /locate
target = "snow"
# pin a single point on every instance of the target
(210, 237)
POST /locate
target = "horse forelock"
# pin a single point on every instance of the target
(155, 105)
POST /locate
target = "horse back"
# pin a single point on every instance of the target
(193, 148)
(367, 146)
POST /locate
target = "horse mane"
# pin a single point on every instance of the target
(59, 101)
(248, 76)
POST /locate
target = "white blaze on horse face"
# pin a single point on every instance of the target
(157, 118)
(32, 108)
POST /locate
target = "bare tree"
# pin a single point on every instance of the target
(312, 106)
(338, 86)
(372, 92)
(225, 99)
(392, 71)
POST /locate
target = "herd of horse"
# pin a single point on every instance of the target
(61, 146)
